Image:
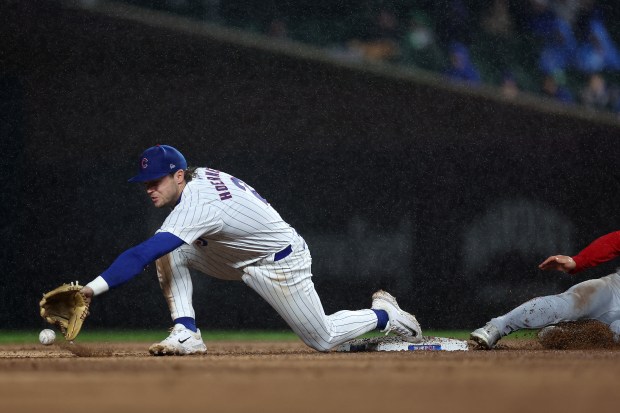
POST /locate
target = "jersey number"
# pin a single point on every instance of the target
(245, 186)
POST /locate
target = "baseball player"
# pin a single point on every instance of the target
(220, 226)
(596, 299)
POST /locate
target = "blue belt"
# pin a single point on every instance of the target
(283, 254)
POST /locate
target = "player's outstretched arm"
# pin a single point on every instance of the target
(600, 250)
(131, 262)
(558, 263)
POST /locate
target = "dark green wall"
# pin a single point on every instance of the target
(446, 199)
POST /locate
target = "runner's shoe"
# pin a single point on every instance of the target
(181, 341)
(546, 332)
(615, 329)
(486, 336)
(400, 322)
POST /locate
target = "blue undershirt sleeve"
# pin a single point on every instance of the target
(131, 262)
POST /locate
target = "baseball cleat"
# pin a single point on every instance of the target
(487, 336)
(547, 332)
(615, 330)
(399, 322)
(181, 341)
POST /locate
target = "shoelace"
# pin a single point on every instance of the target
(398, 330)
(173, 333)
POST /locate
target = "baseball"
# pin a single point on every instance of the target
(47, 337)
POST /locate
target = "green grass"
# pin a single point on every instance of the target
(31, 336)
(26, 336)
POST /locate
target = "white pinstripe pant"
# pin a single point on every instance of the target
(285, 284)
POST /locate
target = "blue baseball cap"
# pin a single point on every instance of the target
(159, 161)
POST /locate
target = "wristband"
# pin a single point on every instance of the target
(98, 285)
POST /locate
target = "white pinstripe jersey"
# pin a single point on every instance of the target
(229, 219)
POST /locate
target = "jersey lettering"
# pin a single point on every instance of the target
(245, 186)
(214, 177)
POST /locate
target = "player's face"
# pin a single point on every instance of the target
(165, 191)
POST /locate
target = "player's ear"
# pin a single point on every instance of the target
(179, 176)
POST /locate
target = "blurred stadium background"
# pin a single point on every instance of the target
(445, 191)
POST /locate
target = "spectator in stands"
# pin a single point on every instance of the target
(387, 26)
(553, 87)
(595, 95)
(509, 86)
(277, 29)
(381, 37)
(558, 49)
(567, 10)
(497, 20)
(460, 66)
(596, 51)
(419, 44)
(537, 19)
(454, 21)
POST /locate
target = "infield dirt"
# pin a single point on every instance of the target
(520, 376)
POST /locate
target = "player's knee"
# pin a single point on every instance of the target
(569, 299)
(572, 297)
(316, 342)
(320, 347)
(577, 303)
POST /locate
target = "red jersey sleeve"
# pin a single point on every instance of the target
(599, 251)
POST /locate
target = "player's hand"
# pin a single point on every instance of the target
(88, 294)
(559, 263)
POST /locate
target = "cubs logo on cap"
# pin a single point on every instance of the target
(157, 162)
